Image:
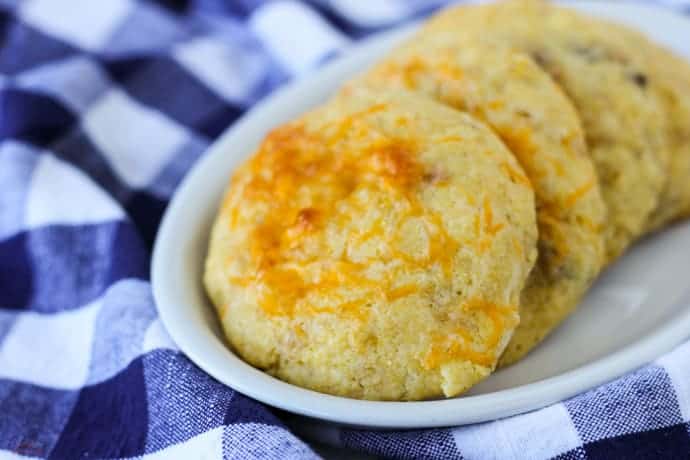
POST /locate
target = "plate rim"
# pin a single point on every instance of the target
(375, 414)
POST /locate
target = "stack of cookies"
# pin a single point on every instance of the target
(447, 209)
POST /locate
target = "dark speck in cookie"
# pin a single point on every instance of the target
(539, 58)
(640, 79)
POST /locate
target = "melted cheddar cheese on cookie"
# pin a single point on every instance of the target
(360, 252)
(539, 125)
(608, 82)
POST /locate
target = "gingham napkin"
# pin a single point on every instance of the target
(104, 105)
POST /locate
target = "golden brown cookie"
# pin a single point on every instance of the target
(360, 252)
(624, 122)
(672, 81)
(669, 78)
(532, 116)
(666, 76)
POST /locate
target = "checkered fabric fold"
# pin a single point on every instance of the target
(104, 106)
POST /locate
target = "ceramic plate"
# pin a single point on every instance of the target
(638, 309)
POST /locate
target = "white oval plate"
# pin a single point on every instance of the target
(639, 309)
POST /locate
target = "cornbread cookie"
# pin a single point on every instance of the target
(672, 80)
(624, 122)
(374, 248)
(538, 123)
(669, 77)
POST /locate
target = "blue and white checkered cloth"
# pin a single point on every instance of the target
(104, 105)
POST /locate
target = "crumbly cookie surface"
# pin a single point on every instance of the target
(669, 78)
(624, 123)
(360, 253)
(674, 86)
(533, 117)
